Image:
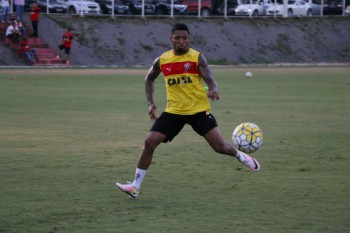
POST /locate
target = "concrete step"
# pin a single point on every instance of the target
(50, 62)
(46, 55)
(37, 43)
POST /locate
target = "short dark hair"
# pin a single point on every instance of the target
(180, 26)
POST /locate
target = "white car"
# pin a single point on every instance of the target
(315, 6)
(347, 11)
(294, 8)
(252, 7)
(86, 7)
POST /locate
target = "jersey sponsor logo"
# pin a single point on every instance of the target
(179, 80)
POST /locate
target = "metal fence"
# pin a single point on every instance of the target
(193, 8)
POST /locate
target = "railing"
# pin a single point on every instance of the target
(319, 9)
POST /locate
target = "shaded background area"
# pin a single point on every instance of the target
(128, 41)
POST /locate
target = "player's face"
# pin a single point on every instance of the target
(180, 40)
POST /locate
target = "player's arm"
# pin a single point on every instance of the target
(152, 74)
(205, 72)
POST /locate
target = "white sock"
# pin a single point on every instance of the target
(139, 175)
(240, 156)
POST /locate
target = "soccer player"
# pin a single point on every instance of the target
(67, 40)
(34, 18)
(187, 103)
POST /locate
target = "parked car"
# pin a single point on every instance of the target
(230, 8)
(252, 7)
(294, 8)
(333, 7)
(119, 7)
(347, 10)
(206, 7)
(53, 7)
(156, 7)
(163, 7)
(81, 6)
(315, 6)
(135, 7)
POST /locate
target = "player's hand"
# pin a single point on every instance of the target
(152, 112)
(213, 95)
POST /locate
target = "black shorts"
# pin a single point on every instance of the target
(66, 50)
(171, 124)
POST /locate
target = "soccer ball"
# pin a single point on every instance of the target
(247, 137)
(249, 74)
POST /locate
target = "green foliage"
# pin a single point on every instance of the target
(282, 44)
(146, 47)
(67, 135)
(121, 41)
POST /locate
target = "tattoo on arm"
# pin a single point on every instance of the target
(206, 73)
(154, 71)
(152, 74)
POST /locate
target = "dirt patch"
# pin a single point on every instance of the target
(66, 71)
(13, 73)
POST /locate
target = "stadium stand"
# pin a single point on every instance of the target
(46, 55)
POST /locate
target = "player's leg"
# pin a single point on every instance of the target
(205, 124)
(151, 142)
(59, 48)
(216, 141)
(164, 129)
(67, 52)
(35, 29)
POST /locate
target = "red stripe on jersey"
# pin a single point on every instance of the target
(179, 68)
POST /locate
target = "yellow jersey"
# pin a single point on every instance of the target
(186, 94)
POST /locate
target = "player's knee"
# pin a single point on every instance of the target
(150, 144)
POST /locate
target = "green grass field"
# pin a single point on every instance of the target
(67, 135)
